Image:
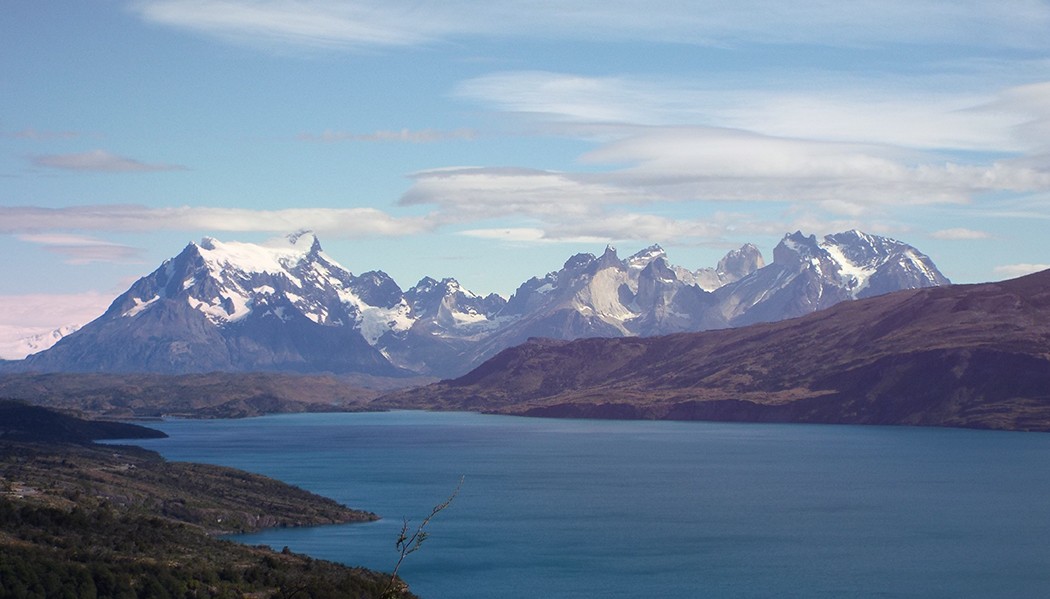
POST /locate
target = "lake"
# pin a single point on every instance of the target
(625, 509)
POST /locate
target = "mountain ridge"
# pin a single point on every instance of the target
(959, 355)
(287, 306)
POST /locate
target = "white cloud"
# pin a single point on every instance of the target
(341, 222)
(468, 193)
(31, 315)
(906, 111)
(316, 24)
(704, 164)
(99, 161)
(1019, 270)
(611, 227)
(80, 249)
(37, 135)
(961, 234)
(846, 145)
(363, 23)
(403, 135)
(528, 235)
(721, 228)
(52, 310)
(713, 164)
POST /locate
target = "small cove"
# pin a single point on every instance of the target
(577, 508)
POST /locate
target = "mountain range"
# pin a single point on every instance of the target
(960, 355)
(239, 307)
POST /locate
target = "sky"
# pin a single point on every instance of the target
(489, 141)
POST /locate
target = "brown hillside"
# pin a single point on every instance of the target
(960, 355)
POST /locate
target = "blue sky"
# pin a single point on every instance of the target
(490, 141)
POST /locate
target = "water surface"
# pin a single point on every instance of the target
(624, 509)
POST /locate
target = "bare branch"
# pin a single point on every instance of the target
(408, 544)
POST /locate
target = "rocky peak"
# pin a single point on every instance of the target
(737, 264)
(376, 288)
(578, 262)
(796, 248)
(609, 259)
(642, 258)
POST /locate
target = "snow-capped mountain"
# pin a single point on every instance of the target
(26, 342)
(241, 306)
(289, 306)
(808, 275)
(604, 296)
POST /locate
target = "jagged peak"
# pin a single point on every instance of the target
(642, 257)
(660, 267)
(579, 260)
(377, 276)
(740, 262)
(609, 258)
(424, 284)
(794, 247)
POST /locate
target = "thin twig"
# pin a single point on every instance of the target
(408, 544)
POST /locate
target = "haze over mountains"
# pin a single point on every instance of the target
(230, 306)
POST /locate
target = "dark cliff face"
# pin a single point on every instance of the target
(964, 355)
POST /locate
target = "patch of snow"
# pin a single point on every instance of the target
(216, 312)
(916, 262)
(139, 306)
(856, 275)
(374, 322)
(469, 317)
(18, 343)
(643, 258)
(274, 258)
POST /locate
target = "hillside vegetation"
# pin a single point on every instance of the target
(81, 520)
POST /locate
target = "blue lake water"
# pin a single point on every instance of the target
(615, 509)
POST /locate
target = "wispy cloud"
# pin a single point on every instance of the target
(81, 249)
(402, 135)
(470, 193)
(1019, 270)
(839, 149)
(99, 161)
(908, 112)
(371, 23)
(346, 222)
(704, 164)
(37, 135)
(30, 315)
(720, 229)
(719, 164)
(960, 234)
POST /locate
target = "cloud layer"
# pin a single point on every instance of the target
(363, 24)
(100, 161)
(401, 135)
(32, 222)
